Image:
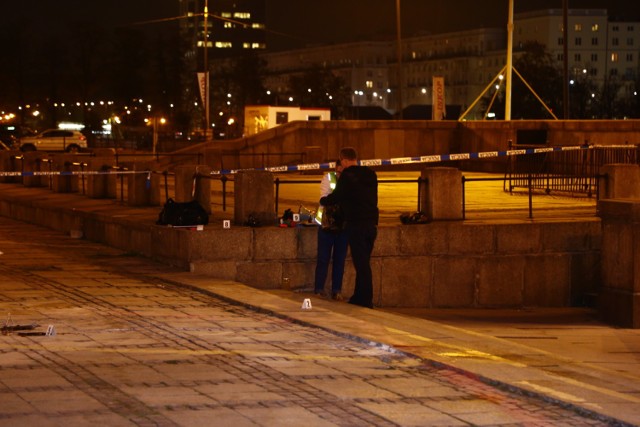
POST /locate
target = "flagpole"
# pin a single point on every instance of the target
(399, 58)
(507, 104)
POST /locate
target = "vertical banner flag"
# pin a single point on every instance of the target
(202, 85)
(438, 109)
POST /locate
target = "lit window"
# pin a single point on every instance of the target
(224, 45)
(201, 43)
(242, 15)
(577, 27)
(228, 25)
(595, 27)
(225, 15)
(257, 25)
(614, 57)
(258, 46)
(369, 83)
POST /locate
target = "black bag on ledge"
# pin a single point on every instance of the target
(332, 219)
(183, 214)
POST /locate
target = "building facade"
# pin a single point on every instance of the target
(599, 50)
(233, 27)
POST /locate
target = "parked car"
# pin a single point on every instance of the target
(70, 141)
(10, 134)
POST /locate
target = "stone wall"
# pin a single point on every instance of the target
(385, 139)
(440, 264)
(446, 264)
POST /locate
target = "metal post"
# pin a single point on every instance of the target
(206, 68)
(507, 105)
(530, 197)
(565, 54)
(399, 58)
(463, 198)
(277, 182)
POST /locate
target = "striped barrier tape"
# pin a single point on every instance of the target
(67, 173)
(419, 159)
(435, 158)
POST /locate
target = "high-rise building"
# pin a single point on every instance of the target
(601, 51)
(230, 29)
(234, 27)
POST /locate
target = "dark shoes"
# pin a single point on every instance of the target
(336, 296)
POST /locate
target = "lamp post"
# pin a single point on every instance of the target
(206, 68)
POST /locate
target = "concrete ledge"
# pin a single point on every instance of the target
(440, 264)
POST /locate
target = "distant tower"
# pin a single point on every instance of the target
(234, 27)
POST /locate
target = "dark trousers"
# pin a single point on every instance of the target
(331, 246)
(361, 240)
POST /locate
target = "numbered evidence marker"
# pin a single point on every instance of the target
(296, 217)
(306, 304)
(51, 331)
(226, 223)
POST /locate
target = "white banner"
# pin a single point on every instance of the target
(438, 109)
(202, 84)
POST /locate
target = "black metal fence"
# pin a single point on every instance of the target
(572, 172)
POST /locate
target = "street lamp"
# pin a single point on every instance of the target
(206, 68)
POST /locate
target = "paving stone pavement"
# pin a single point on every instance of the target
(134, 349)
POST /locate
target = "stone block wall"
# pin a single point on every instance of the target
(620, 295)
(451, 264)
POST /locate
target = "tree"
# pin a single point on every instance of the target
(128, 66)
(234, 86)
(320, 88)
(539, 70)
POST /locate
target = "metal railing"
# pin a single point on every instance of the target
(570, 172)
(277, 182)
(530, 187)
(535, 184)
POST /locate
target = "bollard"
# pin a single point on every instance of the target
(441, 197)
(254, 197)
(102, 185)
(143, 189)
(192, 183)
(32, 163)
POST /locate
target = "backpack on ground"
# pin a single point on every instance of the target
(183, 214)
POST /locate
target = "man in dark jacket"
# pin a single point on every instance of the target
(357, 194)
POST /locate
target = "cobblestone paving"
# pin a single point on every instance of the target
(131, 349)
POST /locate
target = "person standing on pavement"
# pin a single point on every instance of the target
(332, 243)
(357, 194)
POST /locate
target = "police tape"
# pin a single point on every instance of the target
(435, 158)
(68, 173)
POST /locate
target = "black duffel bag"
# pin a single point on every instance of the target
(183, 214)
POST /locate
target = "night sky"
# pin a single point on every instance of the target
(294, 23)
